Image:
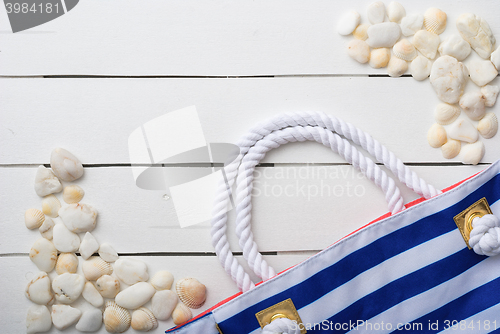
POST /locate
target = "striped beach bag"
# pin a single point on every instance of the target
(426, 267)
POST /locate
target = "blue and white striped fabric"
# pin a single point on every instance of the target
(410, 272)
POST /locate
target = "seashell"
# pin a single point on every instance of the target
(358, 50)
(95, 267)
(427, 43)
(135, 296)
(395, 12)
(472, 153)
(477, 32)
(435, 20)
(73, 194)
(143, 320)
(456, 47)
(411, 24)
(495, 58)
(38, 319)
(46, 182)
(88, 246)
(380, 57)
(51, 206)
(65, 165)
(397, 67)
(383, 35)
(488, 126)
(482, 72)
(131, 271)
(90, 321)
(490, 94)
(33, 218)
(473, 105)
(107, 286)
(38, 290)
(376, 12)
(116, 319)
(361, 32)
(108, 253)
(451, 149)
(163, 304)
(66, 263)
(91, 295)
(181, 314)
(348, 22)
(445, 113)
(78, 217)
(191, 292)
(44, 255)
(64, 316)
(68, 287)
(46, 230)
(436, 136)
(162, 280)
(65, 240)
(404, 50)
(420, 68)
(463, 130)
(448, 78)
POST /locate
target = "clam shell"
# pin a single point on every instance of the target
(51, 206)
(73, 194)
(395, 12)
(463, 130)
(435, 20)
(95, 267)
(420, 68)
(68, 287)
(108, 286)
(38, 290)
(33, 218)
(472, 153)
(65, 165)
(451, 149)
(361, 31)
(436, 136)
(473, 105)
(358, 50)
(143, 320)
(46, 182)
(380, 57)
(397, 67)
(427, 43)
(181, 314)
(91, 295)
(191, 292)
(38, 319)
(482, 72)
(404, 50)
(162, 280)
(348, 22)
(376, 12)
(88, 246)
(411, 24)
(116, 319)
(66, 263)
(135, 296)
(163, 304)
(44, 255)
(46, 230)
(490, 94)
(445, 113)
(64, 316)
(488, 126)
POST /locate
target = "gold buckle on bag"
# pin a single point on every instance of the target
(464, 219)
(284, 309)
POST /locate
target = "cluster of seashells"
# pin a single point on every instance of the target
(115, 287)
(440, 60)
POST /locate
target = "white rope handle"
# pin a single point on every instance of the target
(281, 326)
(485, 235)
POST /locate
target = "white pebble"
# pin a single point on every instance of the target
(46, 182)
(108, 253)
(38, 290)
(38, 319)
(68, 287)
(376, 12)
(44, 255)
(131, 271)
(135, 296)
(383, 35)
(490, 94)
(420, 68)
(397, 67)
(411, 24)
(91, 295)
(395, 12)
(88, 246)
(482, 72)
(65, 240)
(64, 316)
(358, 50)
(348, 22)
(90, 321)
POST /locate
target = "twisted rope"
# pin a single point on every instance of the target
(281, 326)
(485, 235)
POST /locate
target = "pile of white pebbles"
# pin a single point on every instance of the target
(115, 287)
(390, 29)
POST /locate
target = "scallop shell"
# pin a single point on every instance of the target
(361, 32)
(420, 68)
(451, 149)
(427, 43)
(404, 50)
(472, 153)
(435, 20)
(191, 292)
(488, 126)
(445, 113)
(73, 194)
(436, 136)
(46, 230)
(108, 286)
(395, 12)
(66, 263)
(95, 267)
(162, 280)
(181, 314)
(51, 206)
(376, 12)
(143, 320)
(33, 218)
(116, 319)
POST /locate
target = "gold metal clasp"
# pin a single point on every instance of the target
(464, 219)
(284, 309)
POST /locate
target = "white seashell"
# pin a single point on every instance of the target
(451, 149)
(488, 126)
(51, 206)
(68, 287)
(358, 50)
(380, 57)
(163, 304)
(395, 12)
(65, 240)
(116, 319)
(435, 20)
(495, 58)
(90, 321)
(477, 32)
(411, 24)
(78, 217)
(88, 246)
(108, 253)
(73, 194)
(420, 68)
(490, 94)
(38, 319)
(348, 22)
(472, 153)
(38, 289)
(135, 296)
(162, 280)
(383, 35)
(436, 136)
(44, 255)
(456, 47)
(376, 12)
(361, 32)
(472, 104)
(91, 295)
(462, 129)
(33, 218)
(65, 165)
(131, 271)
(64, 316)
(448, 78)
(427, 43)
(191, 292)
(108, 286)
(66, 263)
(181, 314)
(404, 50)
(46, 230)
(95, 267)
(143, 320)
(445, 113)
(482, 72)
(397, 67)
(46, 182)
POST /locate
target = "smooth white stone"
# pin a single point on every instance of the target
(472, 154)
(38, 319)
(448, 78)
(495, 58)
(91, 295)
(411, 24)
(108, 253)
(68, 287)
(420, 68)
(46, 230)
(88, 246)
(38, 289)
(90, 321)
(472, 104)
(361, 32)
(65, 165)
(376, 12)
(456, 47)
(64, 316)
(380, 57)
(397, 67)
(427, 43)
(78, 217)
(477, 32)
(135, 295)
(490, 93)
(462, 129)
(46, 182)
(482, 72)
(162, 280)
(383, 35)
(108, 286)
(395, 12)
(44, 254)
(358, 50)
(348, 22)
(131, 271)
(65, 240)
(163, 304)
